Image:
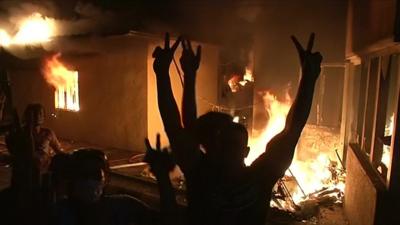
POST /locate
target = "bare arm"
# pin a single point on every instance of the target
(166, 102)
(161, 163)
(182, 143)
(280, 150)
(190, 63)
(54, 143)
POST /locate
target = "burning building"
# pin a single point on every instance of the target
(99, 88)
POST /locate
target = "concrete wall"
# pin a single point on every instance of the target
(206, 87)
(364, 190)
(112, 85)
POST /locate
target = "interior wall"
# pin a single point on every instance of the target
(371, 22)
(277, 65)
(112, 91)
(206, 86)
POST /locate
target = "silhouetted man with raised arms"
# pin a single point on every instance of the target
(211, 149)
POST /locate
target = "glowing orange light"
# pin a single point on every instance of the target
(65, 82)
(33, 29)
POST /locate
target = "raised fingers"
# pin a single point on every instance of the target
(189, 44)
(147, 143)
(176, 44)
(297, 44)
(310, 42)
(198, 53)
(166, 41)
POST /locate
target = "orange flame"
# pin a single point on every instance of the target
(277, 112)
(235, 83)
(313, 174)
(34, 29)
(65, 82)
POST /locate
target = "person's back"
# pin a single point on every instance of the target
(222, 190)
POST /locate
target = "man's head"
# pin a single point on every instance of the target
(225, 142)
(90, 167)
(208, 127)
(34, 114)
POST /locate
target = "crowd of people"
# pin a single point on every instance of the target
(49, 186)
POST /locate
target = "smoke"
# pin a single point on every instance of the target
(71, 18)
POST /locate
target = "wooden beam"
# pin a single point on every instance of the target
(397, 23)
(394, 167)
(370, 106)
(380, 112)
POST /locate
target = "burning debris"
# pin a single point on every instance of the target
(316, 176)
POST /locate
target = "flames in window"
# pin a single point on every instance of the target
(65, 82)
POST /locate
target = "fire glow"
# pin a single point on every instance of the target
(386, 148)
(235, 83)
(311, 175)
(34, 29)
(65, 82)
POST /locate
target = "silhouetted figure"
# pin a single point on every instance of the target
(59, 177)
(161, 163)
(86, 202)
(45, 140)
(210, 150)
(23, 197)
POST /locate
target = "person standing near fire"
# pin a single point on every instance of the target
(45, 140)
(221, 189)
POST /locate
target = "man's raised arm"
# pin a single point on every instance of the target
(280, 150)
(190, 62)
(166, 102)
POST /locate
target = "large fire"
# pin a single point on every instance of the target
(319, 172)
(277, 112)
(65, 82)
(34, 29)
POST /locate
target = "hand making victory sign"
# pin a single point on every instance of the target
(160, 160)
(310, 62)
(190, 61)
(164, 56)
